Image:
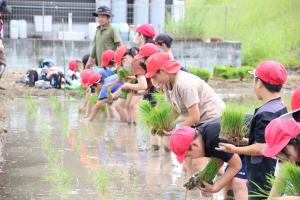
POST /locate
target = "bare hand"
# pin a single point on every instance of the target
(167, 133)
(229, 148)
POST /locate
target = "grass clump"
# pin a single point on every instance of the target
(233, 125)
(207, 175)
(201, 73)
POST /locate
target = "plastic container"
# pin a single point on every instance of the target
(22, 28)
(43, 23)
(14, 29)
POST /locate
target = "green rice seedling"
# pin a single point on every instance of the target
(262, 192)
(81, 92)
(93, 99)
(207, 175)
(288, 181)
(161, 118)
(243, 72)
(56, 105)
(233, 125)
(31, 106)
(201, 73)
(100, 180)
(159, 97)
(123, 74)
(145, 109)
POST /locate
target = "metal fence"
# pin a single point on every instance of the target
(82, 12)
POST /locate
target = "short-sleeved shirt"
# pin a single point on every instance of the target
(106, 37)
(189, 90)
(138, 70)
(258, 167)
(210, 134)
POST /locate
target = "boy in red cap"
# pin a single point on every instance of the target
(187, 142)
(295, 106)
(269, 77)
(283, 141)
(144, 34)
(192, 98)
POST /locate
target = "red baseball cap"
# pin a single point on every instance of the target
(147, 50)
(271, 72)
(278, 133)
(146, 30)
(85, 76)
(295, 104)
(119, 54)
(161, 61)
(180, 141)
(73, 65)
(94, 78)
(107, 56)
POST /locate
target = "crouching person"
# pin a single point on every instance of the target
(187, 142)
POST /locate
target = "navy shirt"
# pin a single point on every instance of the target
(210, 134)
(258, 167)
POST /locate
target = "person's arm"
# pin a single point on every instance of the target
(141, 85)
(234, 166)
(117, 38)
(193, 116)
(273, 193)
(251, 150)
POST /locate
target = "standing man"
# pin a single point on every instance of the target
(106, 36)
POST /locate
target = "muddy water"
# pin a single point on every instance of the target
(132, 170)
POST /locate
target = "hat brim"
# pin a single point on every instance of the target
(150, 74)
(273, 151)
(96, 14)
(181, 158)
(289, 114)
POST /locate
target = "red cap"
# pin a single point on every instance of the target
(271, 72)
(107, 56)
(295, 104)
(180, 141)
(278, 134)
(85, 76)
(146, 30)
(147, 50)
(94, 78)
(119, 54)
(161, 61)
(73, 65)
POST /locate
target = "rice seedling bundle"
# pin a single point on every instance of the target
(123, 74)
(288, 181)
(93, 99)
(207, 175)
(233, 126)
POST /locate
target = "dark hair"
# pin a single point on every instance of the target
(133, 51)
(271, 88)
(143, 63)
(147, 39)
(111, 62)
(296, 116)
(295, 142)
(164, 39)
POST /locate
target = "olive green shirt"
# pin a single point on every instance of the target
(106, 37)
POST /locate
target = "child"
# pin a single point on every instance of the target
(192, 98)
(164, 42)
(144, 34)
(269, 77)
(187, 142)
(110, 82)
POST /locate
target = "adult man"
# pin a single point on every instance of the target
(106, 36)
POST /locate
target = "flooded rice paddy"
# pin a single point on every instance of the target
(51, 153)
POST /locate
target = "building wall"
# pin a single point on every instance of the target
(25, 53)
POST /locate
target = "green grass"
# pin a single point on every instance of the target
(233, 123)
(268, 29)
(207, 175)
(201, 73)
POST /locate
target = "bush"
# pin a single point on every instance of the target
(201, 73)
(228, 72)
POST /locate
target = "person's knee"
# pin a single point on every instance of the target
(238, 184)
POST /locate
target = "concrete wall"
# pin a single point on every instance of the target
(25, 53)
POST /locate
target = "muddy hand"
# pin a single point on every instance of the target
(167, 133)
(191, 184)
